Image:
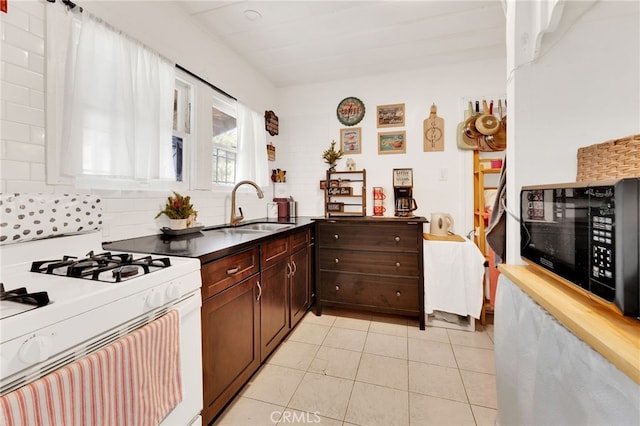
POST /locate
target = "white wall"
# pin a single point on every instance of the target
(308, 123)
(161, 26)
(583, 89)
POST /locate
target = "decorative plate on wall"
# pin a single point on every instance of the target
(350, 111)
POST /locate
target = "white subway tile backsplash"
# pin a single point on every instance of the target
(36, 26)
(38, 172)
(16, 17)
(18, 170)
(25, 185)
(20, 151)
(23, 77)
(31, 7)
(24, 114)
(37, 135)
(23, 39)
(15, 131)
(15, 55)
(36, 63)
(36, 99)
(14, 93)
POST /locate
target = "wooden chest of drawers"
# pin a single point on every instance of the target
(374, 264)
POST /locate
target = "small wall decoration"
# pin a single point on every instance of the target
(271, 152)
(323, 184)
(392, 142)
(390, 115)
(433, 131)
(350, 140)
(3, 6)
(350, 111)
(271, 122)
(341, 190)
(351, 164)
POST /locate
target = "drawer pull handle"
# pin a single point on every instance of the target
(233, 270)
(397, 238)
(397, 264)
(259, 291)
(335, 236)
(337, 287)
(398, 293)
(337, 260)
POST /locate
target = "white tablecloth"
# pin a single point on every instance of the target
(453, 277)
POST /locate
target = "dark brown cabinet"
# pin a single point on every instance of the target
(285, 287)
(373, 264)
(251, 300)
(230, 324)
(300, 276)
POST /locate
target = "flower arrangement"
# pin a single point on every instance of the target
(178, 207)
(331, 155)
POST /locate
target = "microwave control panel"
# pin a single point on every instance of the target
(602, 239)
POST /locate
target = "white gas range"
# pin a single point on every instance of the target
(89, 310)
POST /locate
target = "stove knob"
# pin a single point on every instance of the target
(173, 292)
(154, 299)
(36, 349)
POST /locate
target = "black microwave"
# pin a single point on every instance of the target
(587, 233)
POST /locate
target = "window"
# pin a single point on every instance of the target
(182, 96)
(225, 141)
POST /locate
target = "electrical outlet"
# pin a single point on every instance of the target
(444, 174)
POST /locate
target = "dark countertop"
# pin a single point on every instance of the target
(207, 245)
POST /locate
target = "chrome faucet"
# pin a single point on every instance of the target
(234, 220)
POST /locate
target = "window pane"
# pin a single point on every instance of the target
(176, 145)
(225, 143)
(224, 166)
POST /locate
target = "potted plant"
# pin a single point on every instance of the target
(331, 156)
(180, 212)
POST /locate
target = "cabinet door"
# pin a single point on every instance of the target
(230, 343)
(300, 285)
(274, 307)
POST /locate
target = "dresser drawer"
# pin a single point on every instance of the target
(371, 291)
(370, 236)
(221, 274)
(391, 263)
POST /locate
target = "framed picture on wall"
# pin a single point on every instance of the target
(392, 142)
(350, 140)
(390, 115)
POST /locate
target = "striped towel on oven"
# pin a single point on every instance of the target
(134, 381)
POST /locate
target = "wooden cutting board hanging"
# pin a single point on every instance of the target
(433, 131)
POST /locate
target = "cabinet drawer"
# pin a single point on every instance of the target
(222, 274)
(273, 251)
(300, 240)
(366, 262)
(369, 290)
(369, 236)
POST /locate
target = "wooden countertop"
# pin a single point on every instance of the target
(615, 337)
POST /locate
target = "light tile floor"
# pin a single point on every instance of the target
(355, 368)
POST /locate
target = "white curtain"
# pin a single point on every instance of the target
(252, 145)
(118, 117)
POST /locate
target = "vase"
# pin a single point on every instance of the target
(191, 221)
(332, 168)
(177, 224)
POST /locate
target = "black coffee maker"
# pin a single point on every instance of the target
(403, 192)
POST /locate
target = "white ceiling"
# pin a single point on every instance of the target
(302, 42)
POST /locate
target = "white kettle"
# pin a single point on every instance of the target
(441, 224)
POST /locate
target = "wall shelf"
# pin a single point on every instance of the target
(354, 200)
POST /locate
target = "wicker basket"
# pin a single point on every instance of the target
(618, 158)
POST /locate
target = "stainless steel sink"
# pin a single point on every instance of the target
(252, 228)
(264, 227)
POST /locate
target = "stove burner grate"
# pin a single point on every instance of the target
(20, 295)
(122, 266)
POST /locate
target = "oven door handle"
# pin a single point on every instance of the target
(259, 291)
